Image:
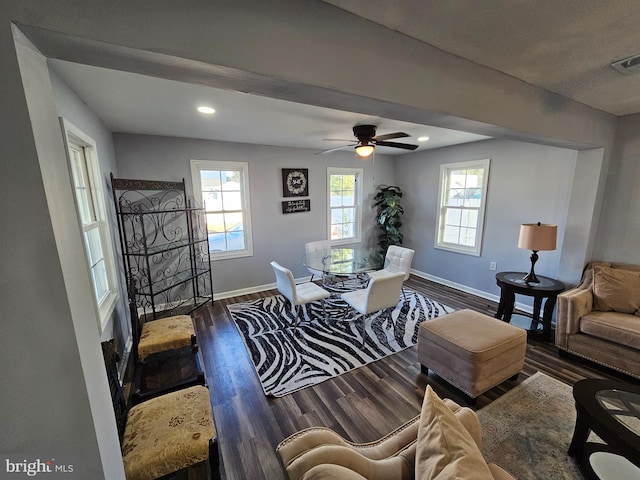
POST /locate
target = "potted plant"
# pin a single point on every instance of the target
(388, 216)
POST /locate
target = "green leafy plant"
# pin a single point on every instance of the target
(388, 217)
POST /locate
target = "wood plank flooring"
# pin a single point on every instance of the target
(362, 405)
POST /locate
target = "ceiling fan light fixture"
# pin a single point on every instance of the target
(364, 151)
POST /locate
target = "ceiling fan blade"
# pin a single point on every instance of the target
(334, 149)
(338, 139)
(406, 146)
(389, 136)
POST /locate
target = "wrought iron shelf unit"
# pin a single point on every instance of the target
(165, 248)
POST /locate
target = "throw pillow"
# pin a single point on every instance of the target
(445, 449)
(616, 289)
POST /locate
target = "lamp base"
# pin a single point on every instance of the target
(531, 276)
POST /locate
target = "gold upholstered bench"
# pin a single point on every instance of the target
(471, 351)
(166, 434)
(165, 334)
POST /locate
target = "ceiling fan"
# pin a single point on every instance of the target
(368, 140)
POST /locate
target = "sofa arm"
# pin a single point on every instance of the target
(311, 438)
(392, 468)
(572, 306)
(327, 471)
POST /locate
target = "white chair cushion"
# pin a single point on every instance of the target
(310, 292)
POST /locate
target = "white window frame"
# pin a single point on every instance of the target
(74, 137)
(358, 172)
(196, 167)
(443, 194)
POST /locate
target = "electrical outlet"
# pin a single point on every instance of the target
(492, 265)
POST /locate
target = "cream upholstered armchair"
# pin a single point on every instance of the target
(444, 441)
(599, 319)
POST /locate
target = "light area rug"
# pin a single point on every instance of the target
(527, 431)
(289, 359)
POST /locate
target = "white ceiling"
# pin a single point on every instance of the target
(563, 46)
(133, 103)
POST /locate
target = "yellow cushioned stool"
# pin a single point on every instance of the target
(472, 351)
(168, 433)
(165, 334)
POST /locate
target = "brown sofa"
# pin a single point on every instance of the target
(600, 319)
(444, 441)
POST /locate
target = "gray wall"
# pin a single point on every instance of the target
(56, 401)
(618, 237)
(73, 109)
(527, 183)
(276, 236)
(248, 45)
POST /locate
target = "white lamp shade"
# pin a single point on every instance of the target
(537, 236)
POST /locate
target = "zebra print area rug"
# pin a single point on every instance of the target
(289, 359)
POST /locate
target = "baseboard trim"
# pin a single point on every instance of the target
(417, 273)
(470, 290)
(255, 289)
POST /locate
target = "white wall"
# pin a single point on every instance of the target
(527, 183)
(276, 236)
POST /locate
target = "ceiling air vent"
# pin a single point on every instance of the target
(628, 65)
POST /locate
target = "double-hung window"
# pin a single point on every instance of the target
(462, 199)
(92, 214)
(344, 190)
(223, 188)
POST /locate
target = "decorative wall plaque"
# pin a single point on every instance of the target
(294, 206)
(295, 182)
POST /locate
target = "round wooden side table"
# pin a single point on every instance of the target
(512, 283)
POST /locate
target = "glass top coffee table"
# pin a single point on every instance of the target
(338, 264)
(344, 261)
(611, 409)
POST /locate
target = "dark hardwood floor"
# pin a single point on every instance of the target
(361, 405)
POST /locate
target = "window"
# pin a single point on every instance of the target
(463, 191)
(92, 214)
(345, 193)
(222, 187)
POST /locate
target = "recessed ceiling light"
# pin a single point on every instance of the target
(423, 139)
(207, 110)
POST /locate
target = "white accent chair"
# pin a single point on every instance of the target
(398, 259)
(382, 292)
(319, 245)
(297, 294)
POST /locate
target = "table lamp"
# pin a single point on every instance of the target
(536, 237)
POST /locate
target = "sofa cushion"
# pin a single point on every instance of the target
(444, 448)
(616, 289)
(620, 328)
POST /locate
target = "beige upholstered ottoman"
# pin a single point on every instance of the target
(472, 351)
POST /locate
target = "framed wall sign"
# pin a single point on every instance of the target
(295, 182)
(294, 206)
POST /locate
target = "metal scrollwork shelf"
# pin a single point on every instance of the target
(165, 247)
